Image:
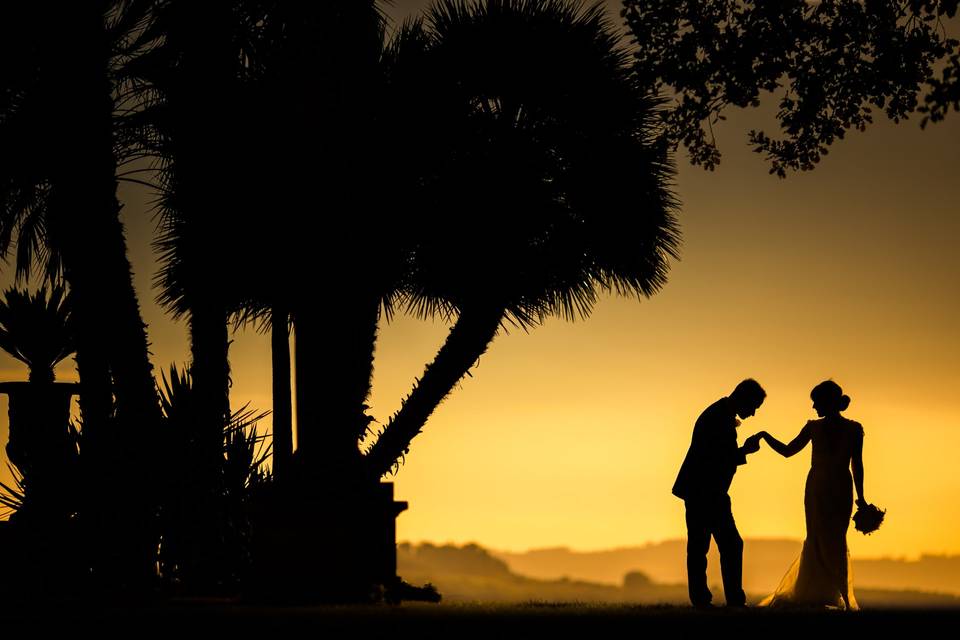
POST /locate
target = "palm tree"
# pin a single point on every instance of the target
(267, 68)
(201, 77)
(321, 135)
(542, 144)
(197, 65)
(61, 143)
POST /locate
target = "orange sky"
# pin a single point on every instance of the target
(572, 434)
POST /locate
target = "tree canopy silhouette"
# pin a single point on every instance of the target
(538, 137)
(833, 63)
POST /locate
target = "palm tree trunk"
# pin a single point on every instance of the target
(206, 557)
(128, 346)
(469, 339)
(85, 220)
(282, 409)
(84, 223)
(93, 368)
(118, 457)
(210, 371)
(331, 414)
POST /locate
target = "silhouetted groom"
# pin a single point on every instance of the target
(703, 482)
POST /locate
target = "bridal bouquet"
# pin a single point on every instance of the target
(868, 518)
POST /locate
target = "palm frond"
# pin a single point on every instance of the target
(247, 450)
(12, 497)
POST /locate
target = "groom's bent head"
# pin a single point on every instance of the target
(747, 397)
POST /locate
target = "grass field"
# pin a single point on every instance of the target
(528, 620)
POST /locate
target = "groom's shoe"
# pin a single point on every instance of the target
(703, 605)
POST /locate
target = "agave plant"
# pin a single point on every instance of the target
(245, 448)
(37, 329)
(203, 525)
(246, 452)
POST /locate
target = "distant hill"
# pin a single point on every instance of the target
(764, 562)
(930, 573)
(471, 573)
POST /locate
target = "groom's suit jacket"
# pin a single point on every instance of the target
(713, 457)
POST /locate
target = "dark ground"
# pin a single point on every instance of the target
(415, 620)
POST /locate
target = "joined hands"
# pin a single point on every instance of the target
(752, 444)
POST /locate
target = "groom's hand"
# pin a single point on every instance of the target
(752, 444)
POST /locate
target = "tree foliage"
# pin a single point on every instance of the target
(833, 63)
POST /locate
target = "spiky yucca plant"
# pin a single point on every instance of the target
(245, 448)
(37, 329)
(203, 524)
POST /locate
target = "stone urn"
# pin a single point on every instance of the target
(40, 443)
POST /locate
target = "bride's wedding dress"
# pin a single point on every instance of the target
(822, 575)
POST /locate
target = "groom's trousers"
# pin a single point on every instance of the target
(706, 517)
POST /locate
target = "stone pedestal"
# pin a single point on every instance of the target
(39, 418)
(40, 442)
(337, 547)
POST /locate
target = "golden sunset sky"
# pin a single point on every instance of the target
(571, 435)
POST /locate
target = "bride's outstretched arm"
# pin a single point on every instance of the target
(858, 470)
(793, 447)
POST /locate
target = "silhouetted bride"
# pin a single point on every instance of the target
(821, 576)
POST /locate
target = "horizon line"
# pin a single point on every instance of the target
(641, 545)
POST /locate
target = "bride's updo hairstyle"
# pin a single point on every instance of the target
(828, 394)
